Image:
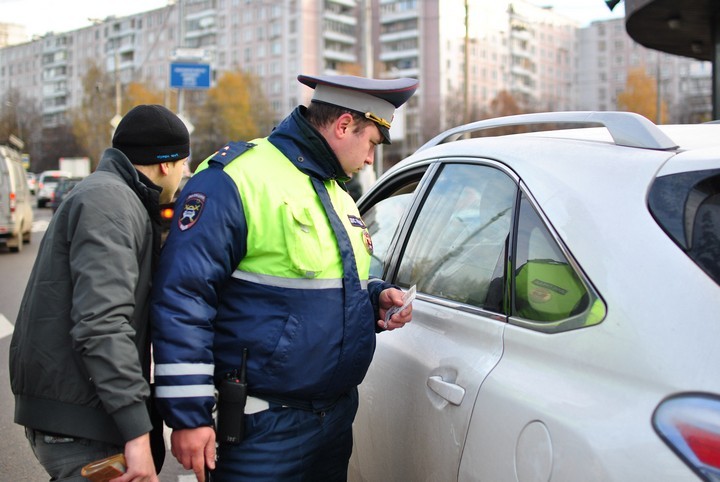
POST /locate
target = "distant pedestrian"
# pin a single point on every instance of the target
(80, 352)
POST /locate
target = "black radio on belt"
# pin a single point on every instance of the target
(232, 396)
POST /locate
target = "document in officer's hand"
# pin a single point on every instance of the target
(408, 298)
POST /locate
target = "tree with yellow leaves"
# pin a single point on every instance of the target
(235, 109)
(137, 94)
(641, 96)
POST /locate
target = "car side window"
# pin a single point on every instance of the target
(382, 221)
(547, 287)
(457, 245)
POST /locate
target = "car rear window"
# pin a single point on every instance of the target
(687, 207)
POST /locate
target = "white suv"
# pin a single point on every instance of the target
(567, 319)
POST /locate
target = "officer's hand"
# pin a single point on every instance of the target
(194, 448)
(389, 298)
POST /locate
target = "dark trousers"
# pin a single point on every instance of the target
(63, 457)
(292, 445)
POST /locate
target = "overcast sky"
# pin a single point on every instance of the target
(42, 16)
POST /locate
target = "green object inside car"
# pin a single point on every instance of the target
(547, 290)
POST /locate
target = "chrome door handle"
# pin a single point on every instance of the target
(449, 391)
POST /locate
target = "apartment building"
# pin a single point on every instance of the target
(606, 54)
(465, 53)
(275, 40)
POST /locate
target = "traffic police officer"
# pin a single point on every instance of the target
(269, 255)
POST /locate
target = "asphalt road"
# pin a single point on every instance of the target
(17, 462)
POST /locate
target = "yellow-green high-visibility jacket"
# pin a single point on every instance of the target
(267, 252)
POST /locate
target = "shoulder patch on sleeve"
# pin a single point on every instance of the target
(192, 208)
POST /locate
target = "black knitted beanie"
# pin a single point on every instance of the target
(151, 134)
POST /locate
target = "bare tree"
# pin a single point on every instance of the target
(91, 121)
(20, 117)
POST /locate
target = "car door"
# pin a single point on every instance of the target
(442, 228)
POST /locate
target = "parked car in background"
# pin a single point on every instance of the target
(47, 182)
(16, 214)
(566, 321)
(63, 187)
(32, 182)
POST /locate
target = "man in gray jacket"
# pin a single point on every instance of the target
(80, 352)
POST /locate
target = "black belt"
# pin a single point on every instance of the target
(318, 405)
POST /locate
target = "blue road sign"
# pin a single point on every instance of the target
(189, 76)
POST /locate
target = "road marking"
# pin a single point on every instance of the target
(6, 328)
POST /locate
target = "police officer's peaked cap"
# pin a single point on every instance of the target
(375, 99)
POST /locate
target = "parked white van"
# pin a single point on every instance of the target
(16, 214)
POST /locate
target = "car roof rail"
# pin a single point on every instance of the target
(626, 128)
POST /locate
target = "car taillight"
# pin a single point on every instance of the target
(690, 425)
(13, 202)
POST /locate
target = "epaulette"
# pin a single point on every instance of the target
(231, 151)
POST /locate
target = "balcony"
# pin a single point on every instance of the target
(402, 35)
(391, 56)
(344, 19)
(348, 4)
(396, 72)
(347, 57)
(386, 18)
(198, 24)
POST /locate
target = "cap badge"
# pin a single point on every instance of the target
(377, 120)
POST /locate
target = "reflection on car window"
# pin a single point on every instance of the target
(706, 236)
(382, 221)
(547, 288)
(687, 207)
(456, 249)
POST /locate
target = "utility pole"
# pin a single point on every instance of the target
(369, 72)
(658, 113)
(118, 102)
(466, 69)
(181, 30)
